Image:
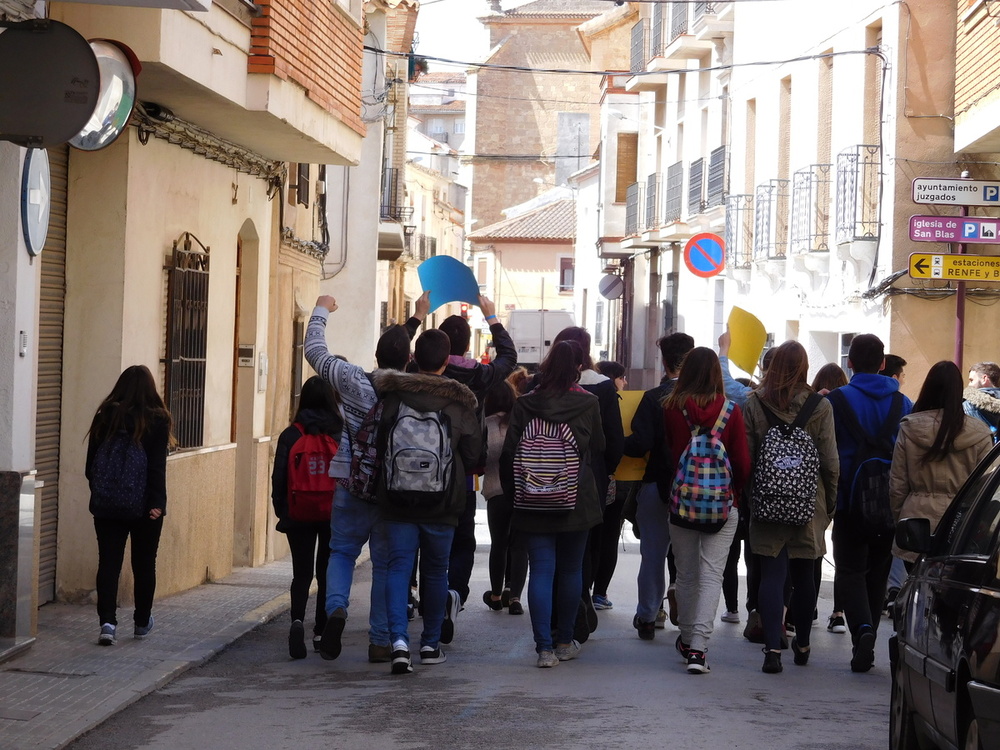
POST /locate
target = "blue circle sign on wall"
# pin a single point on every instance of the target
(705, 254)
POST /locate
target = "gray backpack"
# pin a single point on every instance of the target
(418, 463)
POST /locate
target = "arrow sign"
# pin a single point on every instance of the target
(977, 268)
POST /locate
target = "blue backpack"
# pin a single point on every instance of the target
(118, 479)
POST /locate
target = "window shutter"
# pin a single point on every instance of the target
(628, 156)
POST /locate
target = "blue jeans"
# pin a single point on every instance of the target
(652, 516)
(434, 541)
(353, 523)
(552, 556)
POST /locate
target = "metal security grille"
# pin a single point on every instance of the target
(811, 209)
(187, 339)
(298, 370)
(654, 197)
(656, 32)
(675, 193)
(696, 187)
(859, 172)
(678, 20)
(739, 231)
(637, 49)
(633, 202)
(770, 233)
(716, 177)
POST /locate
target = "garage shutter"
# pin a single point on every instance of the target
(48, 418)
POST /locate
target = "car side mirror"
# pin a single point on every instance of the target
(914, 535)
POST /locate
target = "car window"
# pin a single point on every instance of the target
(976, 536)
(967, 526)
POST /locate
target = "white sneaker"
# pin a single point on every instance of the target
(731, 616)
(569, 651)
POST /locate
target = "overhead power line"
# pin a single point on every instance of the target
(572, 71)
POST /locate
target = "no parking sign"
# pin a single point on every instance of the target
(705, 254)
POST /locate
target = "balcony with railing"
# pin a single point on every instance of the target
(770, 226)
(696, 188)
(674, 203)
(739, 232)
(712, 20)
(811, 210)
(680, 42)
(654, 202)
(716, 188)
(859, 172)
(634, 203)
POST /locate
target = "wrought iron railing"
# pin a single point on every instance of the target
(701, 9)
(633, 205)
(716, 192)
(637, 48)
(187, 339)
(656, 32)
(673, 206)
(739, 231)
(654, 199)
(770, 223)
(859, 176)
(811, 209)
(696, 187)
(391, 205)
(678, 20)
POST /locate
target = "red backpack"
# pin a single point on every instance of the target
(310, 485)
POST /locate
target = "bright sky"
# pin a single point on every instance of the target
(448, 28)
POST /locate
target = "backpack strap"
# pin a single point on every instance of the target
(723, 419)
(806, 411)
(889, 426)
(299, 427)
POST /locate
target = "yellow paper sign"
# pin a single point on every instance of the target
(629, 469)
(748, 336)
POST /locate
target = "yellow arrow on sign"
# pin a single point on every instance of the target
(955, 267)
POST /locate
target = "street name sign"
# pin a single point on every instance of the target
(945, 192)
(955, 267)
(954, 229)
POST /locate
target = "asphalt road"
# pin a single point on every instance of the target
(621, 692)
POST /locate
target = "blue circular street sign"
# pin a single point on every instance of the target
(705, 254)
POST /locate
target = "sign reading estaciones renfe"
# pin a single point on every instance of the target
(945, 192)
(955, 267)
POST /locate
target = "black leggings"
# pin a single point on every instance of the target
(508, 555)
(310, 548)
(111, 538)
(771, 600)
(604, 538)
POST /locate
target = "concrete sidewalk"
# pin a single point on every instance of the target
(66, 684)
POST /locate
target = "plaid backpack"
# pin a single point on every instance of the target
(366, 457)
(702, 492)
(546, 467)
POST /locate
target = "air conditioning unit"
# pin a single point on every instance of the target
(198, 6)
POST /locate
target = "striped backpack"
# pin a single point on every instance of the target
(546, 467)
(702, 492)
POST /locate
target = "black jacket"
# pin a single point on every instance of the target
(479, 378)
(581, 411)
(432, 393)
(648, 434)
(314, 422)
(154, 443)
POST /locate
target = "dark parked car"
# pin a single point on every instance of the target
(946, 652)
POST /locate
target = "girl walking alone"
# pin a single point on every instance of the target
(127, 470)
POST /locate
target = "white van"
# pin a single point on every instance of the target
(533, 331)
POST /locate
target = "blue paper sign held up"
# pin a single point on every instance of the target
(449, 280)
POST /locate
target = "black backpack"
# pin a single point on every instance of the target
(785, 478)
(118, 479)
(868, 488)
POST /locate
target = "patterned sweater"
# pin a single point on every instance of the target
(350, 381)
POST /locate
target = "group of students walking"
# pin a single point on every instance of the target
(392, 457)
